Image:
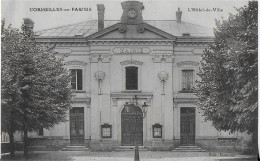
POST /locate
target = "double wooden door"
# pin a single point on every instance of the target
(132, 126)
(77, 126)
(187, 126)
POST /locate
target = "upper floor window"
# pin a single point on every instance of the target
(131, 78)
(187, 80)
(76, 81)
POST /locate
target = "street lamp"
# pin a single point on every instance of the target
(144, 110)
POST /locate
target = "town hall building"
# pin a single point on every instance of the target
(133, 83)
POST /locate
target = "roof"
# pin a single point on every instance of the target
(89, 27)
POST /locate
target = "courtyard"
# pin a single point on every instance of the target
(128, 156)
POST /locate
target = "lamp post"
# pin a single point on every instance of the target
(144, 110)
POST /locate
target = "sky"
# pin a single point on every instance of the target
(15, 10)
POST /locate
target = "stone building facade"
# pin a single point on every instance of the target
(120, 68)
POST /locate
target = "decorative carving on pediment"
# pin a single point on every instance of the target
(122, 28)
(132, 15)
(132, 12)
(140, 28)
(160, 58)
(134, 62)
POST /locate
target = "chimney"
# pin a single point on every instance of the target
(28, 23)
(27, 27)
(101, 11)
(178, 15)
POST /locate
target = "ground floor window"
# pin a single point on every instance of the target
(106, 131)
(157, 131)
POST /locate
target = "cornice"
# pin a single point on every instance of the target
(185, 63)
(185, 98)
(75, 62)
(81, 100)
(130, 94)
(130, 41)
(74, 44)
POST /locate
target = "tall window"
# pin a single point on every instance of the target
(76, 81)
(131, 78)
(187, 80)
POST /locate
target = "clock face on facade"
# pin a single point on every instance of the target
(131, 13)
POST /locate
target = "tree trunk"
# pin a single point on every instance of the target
(11, 137)
(25, 143)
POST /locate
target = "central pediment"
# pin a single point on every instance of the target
(131, 32)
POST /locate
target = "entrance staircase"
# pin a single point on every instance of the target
(75, 148)
(130, 148)
(188, 149)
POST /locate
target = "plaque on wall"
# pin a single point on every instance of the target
(131, 50)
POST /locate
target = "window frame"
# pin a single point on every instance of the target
(106, 126)
(139, 85)
(158, 126)
(136, 81)
(76, 81)
(75, 67)
(187, 65)
(193, 81)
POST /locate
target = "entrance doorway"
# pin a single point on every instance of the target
(77, 126)
(132, 126)
(187, 126)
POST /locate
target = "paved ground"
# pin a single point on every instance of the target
(127, 156)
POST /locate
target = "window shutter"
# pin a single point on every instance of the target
(79, 79)
(73, 79)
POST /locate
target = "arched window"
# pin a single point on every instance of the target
(131, 77)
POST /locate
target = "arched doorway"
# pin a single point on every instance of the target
(132, 125)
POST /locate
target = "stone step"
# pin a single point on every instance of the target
(75, 148)
(130, 148)
(193, 146)
(190, 150)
